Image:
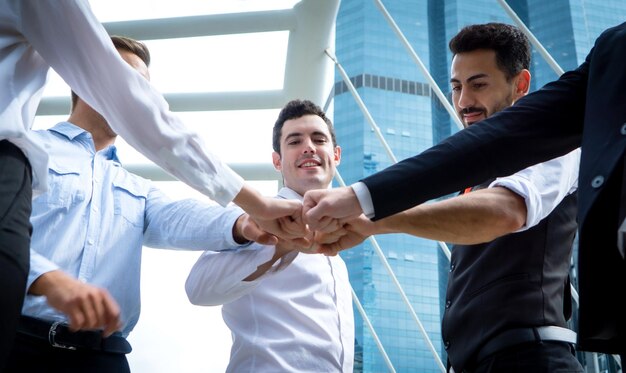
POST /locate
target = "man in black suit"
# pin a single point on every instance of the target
(584, 108)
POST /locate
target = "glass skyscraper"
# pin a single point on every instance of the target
(411, 119)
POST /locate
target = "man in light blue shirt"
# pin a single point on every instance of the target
(89, 229)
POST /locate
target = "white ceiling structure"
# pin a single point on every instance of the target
(308, 72)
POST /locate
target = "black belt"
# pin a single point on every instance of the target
(514, 337)
(59, 335)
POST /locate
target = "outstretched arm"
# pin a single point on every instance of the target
(195, 225)
(472, 218)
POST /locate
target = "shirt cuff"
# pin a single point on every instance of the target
(231, 215)
(364, 197)
(39, 265)
(232, 184)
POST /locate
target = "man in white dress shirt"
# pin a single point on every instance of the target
(288, 311)
(65, 35)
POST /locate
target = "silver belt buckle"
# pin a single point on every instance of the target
(52, 333)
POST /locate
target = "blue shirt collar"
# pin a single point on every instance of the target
(68, 130)
(72, 131)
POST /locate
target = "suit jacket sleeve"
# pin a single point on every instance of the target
(542, 125)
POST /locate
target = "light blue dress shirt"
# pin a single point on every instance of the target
(96, 216)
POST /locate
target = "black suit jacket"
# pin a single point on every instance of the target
(586, 107)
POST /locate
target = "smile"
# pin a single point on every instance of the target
(309, 162)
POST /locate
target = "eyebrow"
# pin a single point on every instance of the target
(473, 77)
(298, 134)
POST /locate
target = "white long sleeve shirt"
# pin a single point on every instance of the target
(65, 35)
(297, 317)
(544, 185)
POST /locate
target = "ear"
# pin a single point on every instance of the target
(277, 161)
(337, 155)
(522, 84)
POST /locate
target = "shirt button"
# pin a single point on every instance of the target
(95, 209)
(597, 181)
(90, 241)
(623, 129)
(452, 266)
(448, 303)
(446, 345)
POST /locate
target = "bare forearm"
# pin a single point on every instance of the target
(250, 200)
(47, 282)
(476, 217)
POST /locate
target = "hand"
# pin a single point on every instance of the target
(352, 233)
(86, 306)
(289, 228)
(278, 217)
(284, 247)
(324, 208)
(247, 229)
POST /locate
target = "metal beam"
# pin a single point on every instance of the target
(249, 171)
(204, 101)
(205, 25)
(308, 74)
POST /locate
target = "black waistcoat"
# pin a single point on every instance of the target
(517, 280)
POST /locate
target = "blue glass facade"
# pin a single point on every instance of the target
(411, 119)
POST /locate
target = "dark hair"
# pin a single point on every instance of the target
(510, 44)
(296, 109)
(122, 43)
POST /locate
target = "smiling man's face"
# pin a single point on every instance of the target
(308, 158)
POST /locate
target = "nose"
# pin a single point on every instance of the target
(309, 147)
(465, 99)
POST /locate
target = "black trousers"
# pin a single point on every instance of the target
(535, 357)
(36, 355)
(15, 231)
